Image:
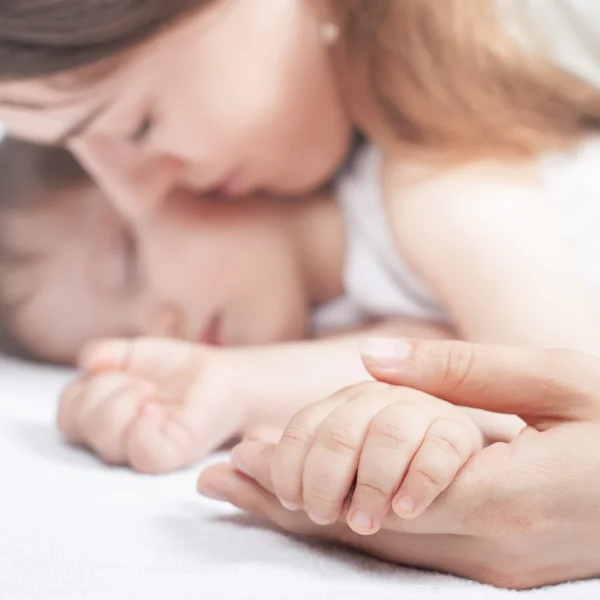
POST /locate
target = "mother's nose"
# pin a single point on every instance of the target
(135, 182)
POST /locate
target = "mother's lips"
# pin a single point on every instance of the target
(232, 184)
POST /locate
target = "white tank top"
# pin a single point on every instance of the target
(376, 278)
(380, 283)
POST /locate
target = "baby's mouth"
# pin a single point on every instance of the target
(212, 334)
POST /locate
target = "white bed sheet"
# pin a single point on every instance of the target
(71, 528)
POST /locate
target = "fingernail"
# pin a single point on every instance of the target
(406, 505)
(385, 352)
(239, 465)
(317, 520)
(361, 520)
(212, 494)
(291, 506)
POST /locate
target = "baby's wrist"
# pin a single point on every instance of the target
(232, 364)
(250, 384)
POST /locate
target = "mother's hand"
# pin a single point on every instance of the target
(518, 515)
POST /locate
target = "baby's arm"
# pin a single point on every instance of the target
(485, 238)
(279, 380)
(159, 404)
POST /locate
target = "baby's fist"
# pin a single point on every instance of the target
(156, 405)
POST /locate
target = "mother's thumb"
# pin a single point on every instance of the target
(537, 385)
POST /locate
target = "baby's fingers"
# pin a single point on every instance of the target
(163, 440)
(394, 437)
(95, 412)
(446, 447)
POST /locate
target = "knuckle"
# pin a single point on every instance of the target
(448, 447)
(324, 499)
(456, 364)
(450, 439)
(371, 488)
(296, 434)
(340, 440)
(388, 435)
(430, 476)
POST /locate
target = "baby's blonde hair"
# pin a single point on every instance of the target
(456, 78)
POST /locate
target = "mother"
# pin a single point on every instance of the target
(239, 96)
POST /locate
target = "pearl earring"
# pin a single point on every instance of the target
(330, 33)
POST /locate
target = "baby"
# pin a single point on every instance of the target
(223, 276)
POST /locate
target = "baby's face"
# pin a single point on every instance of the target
(205, 271)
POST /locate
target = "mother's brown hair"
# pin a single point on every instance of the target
(461, 78)
(441, 75)
(44, 37)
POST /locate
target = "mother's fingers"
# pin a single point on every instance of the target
(254, 458)
(541, 386)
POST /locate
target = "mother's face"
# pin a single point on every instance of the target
(237, 98)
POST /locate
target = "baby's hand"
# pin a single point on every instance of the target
(156, 405)
(368, 448)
